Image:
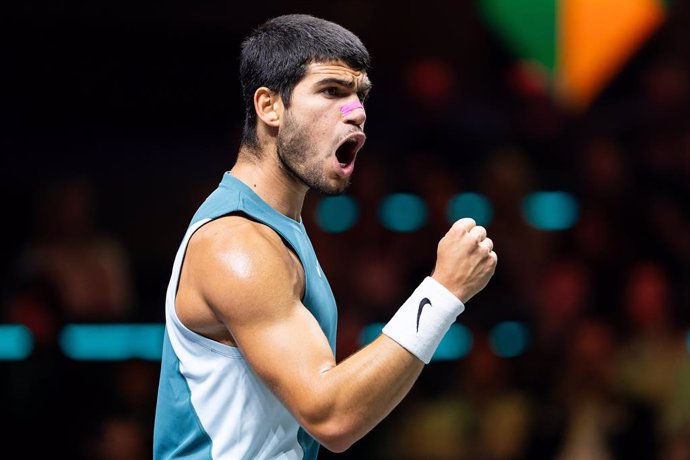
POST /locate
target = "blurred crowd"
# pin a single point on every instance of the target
(606, 373)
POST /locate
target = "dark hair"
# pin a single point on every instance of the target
(276, 55)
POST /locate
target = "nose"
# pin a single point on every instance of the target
(354, 113)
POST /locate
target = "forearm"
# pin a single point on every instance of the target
(354, 396)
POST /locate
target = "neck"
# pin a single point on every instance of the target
(264, 175)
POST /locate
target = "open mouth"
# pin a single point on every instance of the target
(347, 150)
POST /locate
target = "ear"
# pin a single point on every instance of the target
(268, 106)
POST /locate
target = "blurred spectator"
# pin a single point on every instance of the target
(87, 268)
(430, 83)
(654, 363)
(583, 416)
(502, 411)
(471, 410)
(119, 438)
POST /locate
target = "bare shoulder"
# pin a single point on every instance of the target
(236, 233)
(239, 265)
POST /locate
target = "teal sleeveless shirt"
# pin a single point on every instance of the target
(177, 431)
(233, 195)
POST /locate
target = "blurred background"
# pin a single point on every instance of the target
(562, 126)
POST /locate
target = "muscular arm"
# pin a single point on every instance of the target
(252, 283)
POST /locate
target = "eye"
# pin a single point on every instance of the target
(332, 91)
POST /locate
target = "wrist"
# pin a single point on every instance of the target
(461, 294)
(423, 320)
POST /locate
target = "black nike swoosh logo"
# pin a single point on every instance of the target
(422, 304)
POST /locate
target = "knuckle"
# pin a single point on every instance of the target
(472, 238)
(466, 223)
(479, 233)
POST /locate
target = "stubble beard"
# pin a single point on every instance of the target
(300, 159)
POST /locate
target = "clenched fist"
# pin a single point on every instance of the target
(465, 259)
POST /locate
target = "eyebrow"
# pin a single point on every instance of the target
(350, 84)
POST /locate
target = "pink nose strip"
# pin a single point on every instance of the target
(350, 106)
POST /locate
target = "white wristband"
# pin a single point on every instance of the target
(424, 318)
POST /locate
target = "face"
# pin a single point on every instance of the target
(323, 128)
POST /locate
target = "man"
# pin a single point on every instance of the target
(248, 368)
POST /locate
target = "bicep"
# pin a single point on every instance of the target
(288, 350)
(260, 306)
